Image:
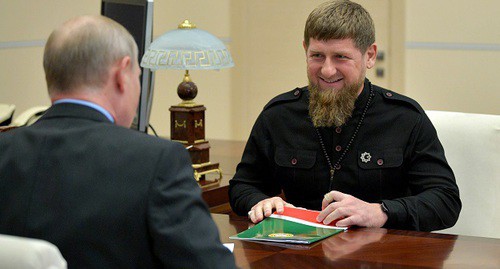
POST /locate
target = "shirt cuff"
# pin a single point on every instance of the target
(396, 214)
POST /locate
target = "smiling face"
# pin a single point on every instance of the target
(336, 69)
(337, 63)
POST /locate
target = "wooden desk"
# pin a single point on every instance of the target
(364, 248)
(228, 155)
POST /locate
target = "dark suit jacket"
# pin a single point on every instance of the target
(107, 196)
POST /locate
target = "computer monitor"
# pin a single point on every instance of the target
(137, 17)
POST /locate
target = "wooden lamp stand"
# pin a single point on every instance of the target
(187, 126)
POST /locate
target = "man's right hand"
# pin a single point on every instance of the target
(265, 208)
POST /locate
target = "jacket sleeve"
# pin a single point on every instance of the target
(254, 180)
(182, 230)
(435, 203)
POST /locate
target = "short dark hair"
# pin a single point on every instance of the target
(340, 20)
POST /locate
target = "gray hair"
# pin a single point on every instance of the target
(81, 51)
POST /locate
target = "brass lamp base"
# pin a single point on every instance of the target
(187, 126)
(203, 170)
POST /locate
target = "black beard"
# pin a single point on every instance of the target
(329, 107)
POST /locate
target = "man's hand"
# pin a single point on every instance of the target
(265, 208)
(350, 211)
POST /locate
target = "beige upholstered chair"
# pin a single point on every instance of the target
(472, 147)
(6, 112)
(27, 253)
(29, 116)
(26, 118)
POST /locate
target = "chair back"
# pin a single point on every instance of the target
(6, 112)
(28, 253)
(29, 116)
(472, 147)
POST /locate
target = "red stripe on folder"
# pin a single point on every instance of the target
(303, 214)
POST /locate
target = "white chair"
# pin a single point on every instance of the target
(27, 253)
(29, 116)
(6, 112)
(472, 147)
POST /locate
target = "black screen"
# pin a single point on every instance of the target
(132, 17)
(137, 17)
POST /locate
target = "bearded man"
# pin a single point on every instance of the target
(361, 154)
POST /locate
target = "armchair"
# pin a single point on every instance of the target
(472, 148)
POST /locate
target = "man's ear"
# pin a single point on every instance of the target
(122, 72)
(305, 48)
(371, 55)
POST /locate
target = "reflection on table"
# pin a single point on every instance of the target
(364, 248)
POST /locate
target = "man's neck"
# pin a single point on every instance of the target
(89, 97)
(87, 104)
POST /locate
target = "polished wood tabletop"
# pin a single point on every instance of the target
(364, 248)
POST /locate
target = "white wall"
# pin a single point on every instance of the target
(24, 27)
(265, 39)
(452, 54)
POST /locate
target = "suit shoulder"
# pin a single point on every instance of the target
(394, 97)
(147, 141)
(287, 97)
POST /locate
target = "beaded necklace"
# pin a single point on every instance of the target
(337, 164)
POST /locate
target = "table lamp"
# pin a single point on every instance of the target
(189, 48)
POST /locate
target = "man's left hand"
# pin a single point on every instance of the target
(350, 210)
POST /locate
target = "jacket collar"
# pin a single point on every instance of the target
(69, 110)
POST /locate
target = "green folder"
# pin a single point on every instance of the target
(285, 231)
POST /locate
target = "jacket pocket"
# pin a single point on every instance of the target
(381, 173)
(295, 158)
(295, 172)
(380, 159)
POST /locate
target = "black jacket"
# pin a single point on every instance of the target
(406, 170)
(106, 196)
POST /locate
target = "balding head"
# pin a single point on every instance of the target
(80, 52)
